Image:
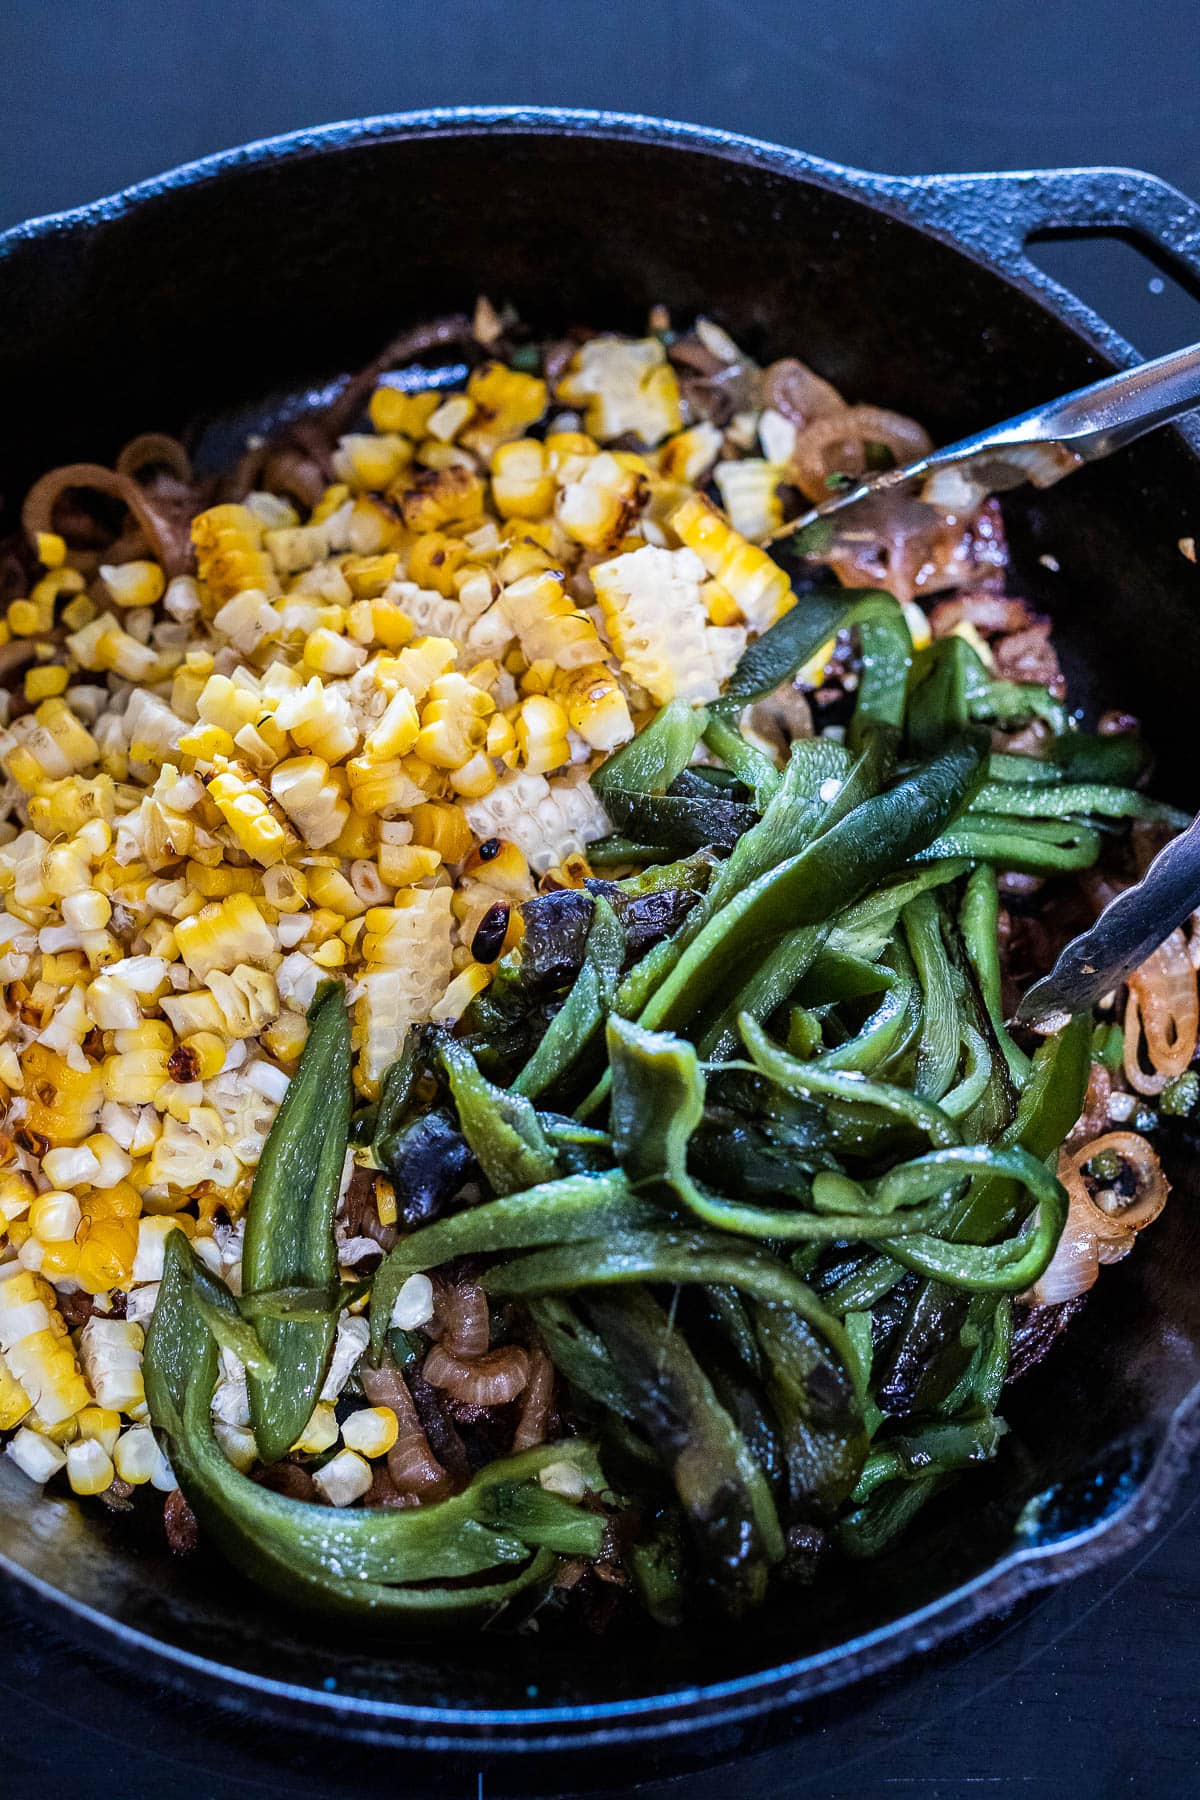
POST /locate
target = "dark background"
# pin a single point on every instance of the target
(1091, 1690)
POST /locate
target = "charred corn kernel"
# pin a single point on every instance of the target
(224, 934)
(228, 541)
(371, 1432)
(368, 576)
(62, 1103)
(505, 403)
(135, 1455)
(209, 1052)
(392, 409)
(758, 585)
(434, 560)
(689, 454)
(242, 804)
(312, 800)
(397, 730)
(45, 681)
(403, 865)
(438, 497)
(14, 1401)
(100, 1425)
(441, 826)
(285, 1039)
(65, 806)
(321, 1432)
(596, 707)
(89, 1467)
(50, 549)
(598, 508)
(542, 734)
(548, 624)
(523, 485)
(625, 387)
(134, 583)
(453, 722)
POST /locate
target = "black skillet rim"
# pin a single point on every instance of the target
(947, 208)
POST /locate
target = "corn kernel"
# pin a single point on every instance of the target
(371, 1432)
(89, 1467)
(321, 1432)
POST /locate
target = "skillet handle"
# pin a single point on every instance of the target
(1001, 214)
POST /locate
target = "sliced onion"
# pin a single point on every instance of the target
(489, 1380)
(838, 442)
(535, 1404)
(1163, 1004)
(411, 1463)
(798, 393)
(1150, 1195)
(1075, 1264)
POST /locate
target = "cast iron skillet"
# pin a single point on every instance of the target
(256, 272)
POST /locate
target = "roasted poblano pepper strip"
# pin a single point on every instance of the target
(500, 1126)
(575, 1024)
(979, 919)
(785, 647)
(289, 1224)
(649, 762)
(359, 1562)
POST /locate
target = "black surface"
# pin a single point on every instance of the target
(1116, 1715)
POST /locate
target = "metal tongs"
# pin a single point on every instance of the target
(1042, 446)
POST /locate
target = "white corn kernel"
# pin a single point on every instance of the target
(343, 1480)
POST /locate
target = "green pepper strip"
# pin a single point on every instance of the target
(347, 1557)
(750, 766)
(847, 1085)
(649, 763)
(564, 1211)
(941, 1037)
(1036, 847)
(782, 649)
(574, 1025)
(886, 658)
(501, 1127)
(979, 918)
(1072, 799)
(882, 1032)
(289, 1223)
(831, 872)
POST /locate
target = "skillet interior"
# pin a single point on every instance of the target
(280, 271)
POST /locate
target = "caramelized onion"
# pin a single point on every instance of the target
(1076, 1263)
(1092, 1235)
(1163, 1004)
(413, 1467)
(167, 538)
(839, 442)
(462, 1313)
(535, 1404)
(796, 391)
(154, 450)
(489, 1380)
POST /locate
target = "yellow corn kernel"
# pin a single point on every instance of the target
(24, 619)
(598, 509)
(453, 722)
(62, 1103)
(548, 625)
(720, 605)
(321, 1432)
(370, 462)
(100, 1425)
(686, 456)
(64, 807)
(391, 409)
(475, 778)
(285, 1039)
(331, 954)
(54, 1217)
(243, 806)
(523, 485)
(14, 1401)
(403, 865)
(397, 730)
(501, 737)
(371, 1432)
(106, 1256)
(135, 1456)
(329, 888)
(209, 1052)
(89, 1467)
(134, 583)
(51, 549)
(385, 1201)
(207, 742)
(45, 681)
(759, 586)
(328, 654)
(214, 884)
(356, 838)
(542, 734)
(439, 825)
